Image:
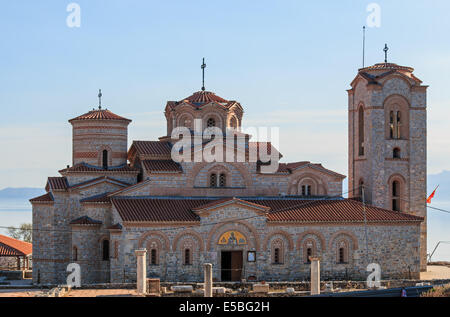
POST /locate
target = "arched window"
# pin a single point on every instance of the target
(105, 159)
(391, 124)
(395, 124)
(105, 250)
(187, 257)
(342, 251)
(308, 186)
(222, 180)
(306, 190)
(213, 180)
(276, 256)
(153, 257)
(361, 188)
(341, 255)
(396, 153)
(186, 121)
(361, 131)
(396, 195)
(399, 125)
(308, 255)
(277, 251)
(75, 254)
(210, 123)
(309, 250)
(233, 123)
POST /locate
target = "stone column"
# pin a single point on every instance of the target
(315, 275)
(208, 279)
(141, 270)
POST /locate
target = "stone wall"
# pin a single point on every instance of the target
(394, 247)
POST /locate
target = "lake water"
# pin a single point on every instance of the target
(13, 212)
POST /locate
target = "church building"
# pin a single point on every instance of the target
(250, 224)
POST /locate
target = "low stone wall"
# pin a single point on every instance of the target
(12, 275)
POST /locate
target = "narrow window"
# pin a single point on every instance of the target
(105, 159)
(361, 131)
(395, 196)
(308, 254)
(276, 256)
(341, 255)
(210, 123)
(105, 247)
(153, 257)
(306, 190)
(396, 153)
(361, 188)
(399, 125)
(213, 180)
(391, 124)
(75, 254)
(187, 257)
(222, 180)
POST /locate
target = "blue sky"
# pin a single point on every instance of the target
(287, 62)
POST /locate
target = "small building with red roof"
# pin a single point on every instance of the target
(14, 254)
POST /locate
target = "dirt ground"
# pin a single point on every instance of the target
(102, 293)
(435, 272)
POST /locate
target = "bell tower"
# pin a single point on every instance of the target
(387, 141)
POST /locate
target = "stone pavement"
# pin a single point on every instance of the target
(436, 272)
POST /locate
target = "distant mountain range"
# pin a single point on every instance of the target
(443, 180)
(21, 193)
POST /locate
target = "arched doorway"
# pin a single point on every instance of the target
(231, 255)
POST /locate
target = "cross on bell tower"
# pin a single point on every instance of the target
(385, 49)
(203, 74)
(100, 99)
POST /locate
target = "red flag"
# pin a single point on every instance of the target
(432, 195)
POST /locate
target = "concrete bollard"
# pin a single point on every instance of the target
(141, 270)
(315, 275)
(208, 279)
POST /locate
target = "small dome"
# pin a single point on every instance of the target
(387, 66)
(99, 114)
(205, 97)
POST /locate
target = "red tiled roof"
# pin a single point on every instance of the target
(85, 220)
(288, 209)
(13, 247)
(162, 166)
(56, 184)
(101, 178)
(230, 199)
(151, 147)
(102, 198)
(48, 197)
(99, 114)
(201, 98)
(337, 210)
(117, 226)
(387, 66)
(157, 210)
(286, 168)
(86, 168)
(204, 97)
